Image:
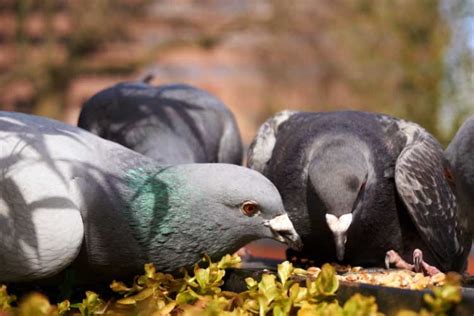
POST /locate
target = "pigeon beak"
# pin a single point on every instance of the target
(340, 240)
(283, 231)
(339, 227)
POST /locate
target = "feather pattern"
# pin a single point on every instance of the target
(261, 148)
(460, 154)
(172, 124)
(421, 183)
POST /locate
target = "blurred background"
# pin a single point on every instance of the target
(412, 59)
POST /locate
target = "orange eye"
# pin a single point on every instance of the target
(250, 208)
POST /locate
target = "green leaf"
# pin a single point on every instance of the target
(300, 272)
(127, 301)
(278, 311)
(185, 298)
(284, 271)
(229, 261)
(311, 288)
(330, 309)
(166, 310)
(327, 282)
(119, 287)
(91, 304)
(263, 304)
(251, 305)
(267, 292)
(445, 297)
(34, 305)
(140, 296)
(359, 305)
(307, 310)
(216, 306)
(216, 279)
(297, 293)
(202, 277)
(150, 270)
(64, 307)
(267, 287)
(282, 307)
(5, 299)
(251, 283)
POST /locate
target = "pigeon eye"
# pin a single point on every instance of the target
(250, 208)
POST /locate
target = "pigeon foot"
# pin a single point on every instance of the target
(423, 266)
(392, 257)
(419, 265)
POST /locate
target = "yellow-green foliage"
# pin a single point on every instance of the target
(442, 300)
(291, 291)
(5, 299)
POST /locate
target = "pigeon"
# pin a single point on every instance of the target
(69, 198)
(173, 124)
(460, 153)
(363, 189)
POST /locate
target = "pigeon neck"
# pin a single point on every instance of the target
(337, 175)
(168, 218)
(153, 196)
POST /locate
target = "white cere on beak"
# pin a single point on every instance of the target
(284, 231)
(281, 223)
(339, 227)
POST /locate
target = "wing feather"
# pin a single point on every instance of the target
(431, 203)
(261, 148)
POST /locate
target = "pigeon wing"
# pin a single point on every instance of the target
(261, 148)
(422, 180)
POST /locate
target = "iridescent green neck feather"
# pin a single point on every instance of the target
(158, 204)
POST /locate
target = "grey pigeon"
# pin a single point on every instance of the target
(460, 153)
(68, 197)
(172, 124)
(364, 189)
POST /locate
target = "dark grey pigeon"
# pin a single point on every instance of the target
(68, 197)
(363, 189)
(460, 153)
(172, 124)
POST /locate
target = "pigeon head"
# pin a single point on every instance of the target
(338, 174)
(212, 209)
(242, 198)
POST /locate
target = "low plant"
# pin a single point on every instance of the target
(291, 291)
